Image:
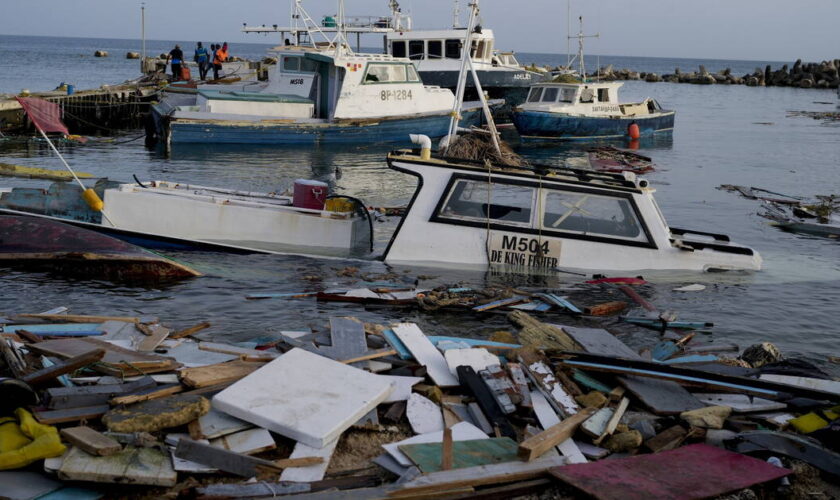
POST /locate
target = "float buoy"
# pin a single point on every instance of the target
(633, 131)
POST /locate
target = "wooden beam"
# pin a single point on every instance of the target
(68, 365)
(370, 355)
(91, 441)
(446, 450)
(153, 393)
(186, 332)
(535, 446)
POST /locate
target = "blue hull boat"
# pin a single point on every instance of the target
(542, 125)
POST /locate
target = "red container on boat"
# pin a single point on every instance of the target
(185, 73)
(310, 194)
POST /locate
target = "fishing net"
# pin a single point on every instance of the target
(479, 147)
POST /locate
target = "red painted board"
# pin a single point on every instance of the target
(691, 472)
(618, 281)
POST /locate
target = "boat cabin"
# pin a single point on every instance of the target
(438, 45)
(544, 219)
(585, 98)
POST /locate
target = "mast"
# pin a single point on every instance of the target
(580, 36)
(456, 15)
(568, 34)
(143, 34)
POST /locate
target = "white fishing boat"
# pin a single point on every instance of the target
(586, 110)
(172, 215)
(320, 92)
(541, 220)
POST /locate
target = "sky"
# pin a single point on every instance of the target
(778, 30)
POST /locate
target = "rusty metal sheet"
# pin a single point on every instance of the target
(691, 472)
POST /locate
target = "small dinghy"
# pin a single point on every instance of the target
(37, 243)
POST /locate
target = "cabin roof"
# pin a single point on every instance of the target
(592, 85)
(459, 33)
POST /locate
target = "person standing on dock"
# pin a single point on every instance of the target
(177, 58)
(220, 56)
(202, 58)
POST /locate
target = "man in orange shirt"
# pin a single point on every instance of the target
(220, 57)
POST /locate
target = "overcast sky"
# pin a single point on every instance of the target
(716, 29)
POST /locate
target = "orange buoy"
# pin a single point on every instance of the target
(633, 131)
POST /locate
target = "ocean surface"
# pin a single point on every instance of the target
(723, 135)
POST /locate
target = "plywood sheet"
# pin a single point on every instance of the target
(304, 396)
(148, 466)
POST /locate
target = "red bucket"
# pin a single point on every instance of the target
(310, 194)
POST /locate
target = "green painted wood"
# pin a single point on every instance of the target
(471, 453)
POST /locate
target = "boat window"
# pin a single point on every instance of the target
(453, 49)
(308, 65)
(568, 95)
(398, 49)
(435, 49)
(291, 63)
(382, 73)
(412, 74)
(550, 94)
(477, 200)
(593, 214)
(535, 94)
(478, 49)
(603, 95)
(416, 49)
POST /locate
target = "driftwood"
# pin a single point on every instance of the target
(538, 334)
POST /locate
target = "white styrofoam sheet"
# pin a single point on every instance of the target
(478, 358)
(304, 396)
(402, 387)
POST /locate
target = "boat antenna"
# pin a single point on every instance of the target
(456, 15)
(568, 34)
(143, 34)
(580, 36)
(466, 62)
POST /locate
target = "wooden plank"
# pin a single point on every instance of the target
(347, 336)
(517, 374)
(148, 394)
(509, 472)
(78, 318)
(541, 373)
(614, 420)
(234, 463)
(253, 490)
(236, 350)
(219, 373)
(740, 403)
(68, 365)
(425, 353)
(186, 332)
(548, 418)
(312, 472)
(71, 415)
(471, 453)
(118, 361)
(446, 450)
(597, 423)
(666, 440)
(536, 446)
(381, 353)
(74, 397)
(691, 472)
(148, 466)
(474, 384)
(150, 342)
(91, 441)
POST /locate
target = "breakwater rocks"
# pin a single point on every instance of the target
(824, 75)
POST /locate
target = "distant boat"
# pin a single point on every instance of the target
(314, 95)
(565, 109)
(171, 215)
(41, 244)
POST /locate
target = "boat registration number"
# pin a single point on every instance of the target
(395, 95)
(523, 251)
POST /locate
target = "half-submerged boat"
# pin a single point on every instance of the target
(171, 215)
(543, 219)
(41, 244)
(322, 93)
(568, 110)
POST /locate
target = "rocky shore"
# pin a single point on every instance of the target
(823, 75)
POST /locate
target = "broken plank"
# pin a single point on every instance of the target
(70, 415)
(402, 387)
(47, 374)
(425, 353)
(186, 332)
(91, 441)
(478, 358)
(250, 490)
(479, 418)
(614, 420)
(539, 370)
(247, 442)
(517, 374)
(473, 383)
(236, 350)
(74, 397)
(597, 423)
(536, 446)
(831, 386)
(235, 463)
(219, 373)
(397, 344)
(118, 361)
(148, 466)
(150, 342)
(548, 418)
(498, 389)
(148, 394)
(312, 472)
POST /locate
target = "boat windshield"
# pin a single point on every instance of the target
(567, 95)
(593, 214)
(476, 200)
(390, 73)
(535, 94)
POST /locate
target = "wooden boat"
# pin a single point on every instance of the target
(37, 243)
(541, 219)
(178, 216)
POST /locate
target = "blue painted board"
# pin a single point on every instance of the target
(397, 344)
(473, 342)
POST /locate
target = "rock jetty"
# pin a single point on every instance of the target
(822, 75)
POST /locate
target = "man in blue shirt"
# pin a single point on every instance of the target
(177, 58)
(203, 60)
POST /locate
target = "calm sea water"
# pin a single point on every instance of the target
(724, 135)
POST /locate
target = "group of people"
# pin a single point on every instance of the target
(203, 57)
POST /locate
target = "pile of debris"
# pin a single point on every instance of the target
(383, 411)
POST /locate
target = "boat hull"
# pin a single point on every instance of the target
(347, 131)
(42, 244)
(512, 86)
(546, 126)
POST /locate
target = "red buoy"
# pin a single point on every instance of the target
(633, 131)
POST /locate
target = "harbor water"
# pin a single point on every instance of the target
(724, 135)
